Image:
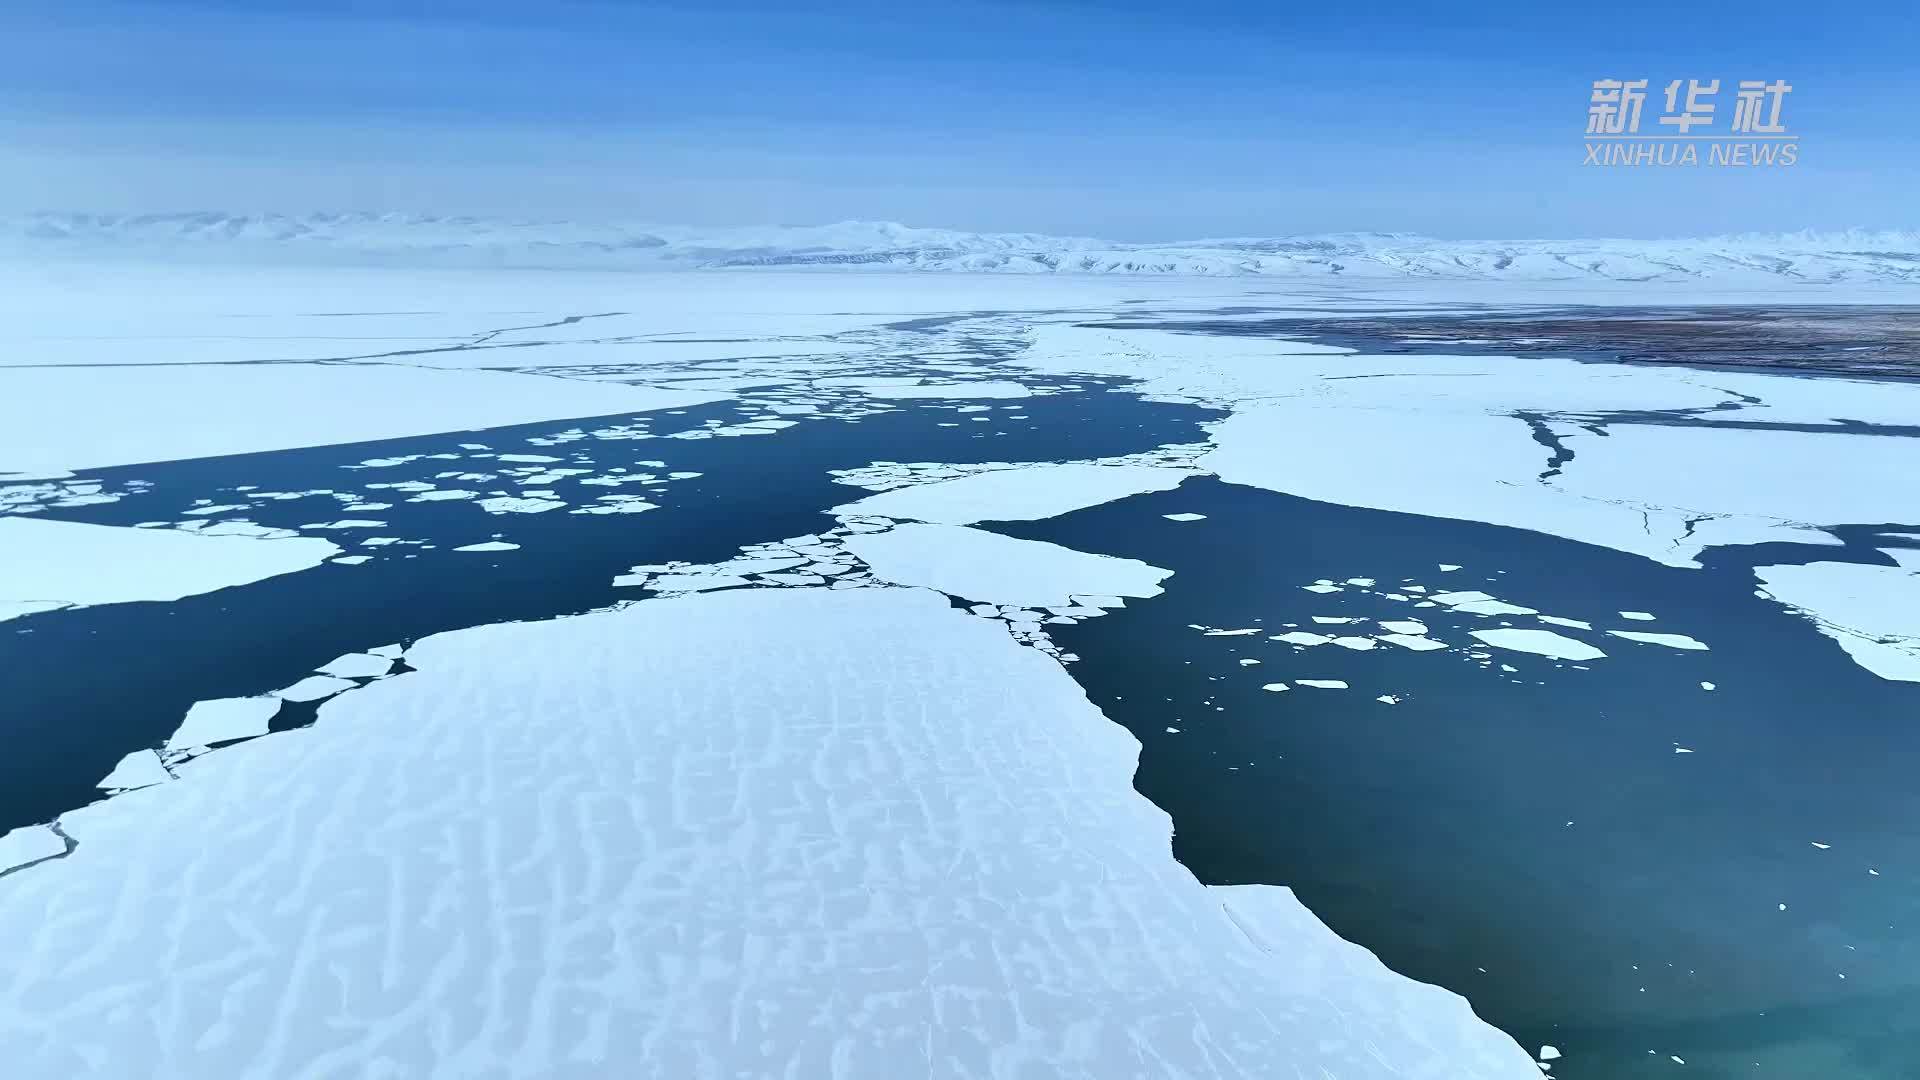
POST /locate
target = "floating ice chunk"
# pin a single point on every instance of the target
(1301, 637)
(1577, 624)
(1322, 588)
(690, 583)
(1549, 1053)
(357, 666)
(1358, 644)
(535, 459)
(490, 545)
(221, 719)
(1493, 607)
(508, 504)
(1405, 626)
(1637, 616)
(313, 688)
(1707, 686)
(1539, 642)
(1413, 641)
(1273, 687)
(1449, 567)
(142, 768)
(1242, 632)
(1323, 684)
(1335, 620)
(1465, 596)
(29, 844)
(65, 563)
(346, 523)
(1248, 661)
(1363, 582)
(1821, 846)
(444, 495)
(1388, 699)
(1024, 494)
(1184, 517)
(988, 567)
(1672, 641)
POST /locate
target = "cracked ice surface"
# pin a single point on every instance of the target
(847, 850)
(47, 564)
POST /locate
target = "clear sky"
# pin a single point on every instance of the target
(1116, 118)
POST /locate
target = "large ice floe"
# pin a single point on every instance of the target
(46, 565)
(1534, 443)
(763, 832)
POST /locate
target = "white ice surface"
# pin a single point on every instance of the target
(1439, 435)
(1540, 642)
(221, 719)
(43, 561)
(1023, 494)
(798, 869)
(990, 568)
(58, 419)
(1869, 610)
(982, 389)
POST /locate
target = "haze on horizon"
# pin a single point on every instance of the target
(1108, 118)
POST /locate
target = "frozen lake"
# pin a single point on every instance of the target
(1582, 690)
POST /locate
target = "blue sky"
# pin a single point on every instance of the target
(1116, 118)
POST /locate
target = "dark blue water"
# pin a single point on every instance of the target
(87, 686)
(1531, 839)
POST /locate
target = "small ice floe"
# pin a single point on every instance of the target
(1357, 644)
(1363, 582)
(352, 560)
(1415, 642)
(1335, 620)
(1241, 632)
(1783, 907)
(1494, 607)
(532, 459)
(1637, 616)
(1462, 596)
(1821, 846)
(490, 545)
(1248, 661)
(345, 523)
(1404, 626)
(1540, 643)
(444, 495)
(1682, 749)
(1273, 687)
(1672, 641)
(30, 844)
(1173, 731)
(357, 666)
(1448, 567)
(313, 688)
(1707, 686)
(1300, 637)
(139, 769)
(1184, 517)
(1323, 684)
(221, 719)
(1388, 699)
(695, 582)
(1548, 1053)
(509, 504)
(1577, 624)
(1322, 588)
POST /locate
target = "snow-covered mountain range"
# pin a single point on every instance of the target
(465, 241)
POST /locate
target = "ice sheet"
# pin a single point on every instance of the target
(943, 871)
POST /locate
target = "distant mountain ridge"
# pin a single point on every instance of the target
(405, 239)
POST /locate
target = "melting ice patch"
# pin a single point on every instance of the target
(985, 566)
(47, 564)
